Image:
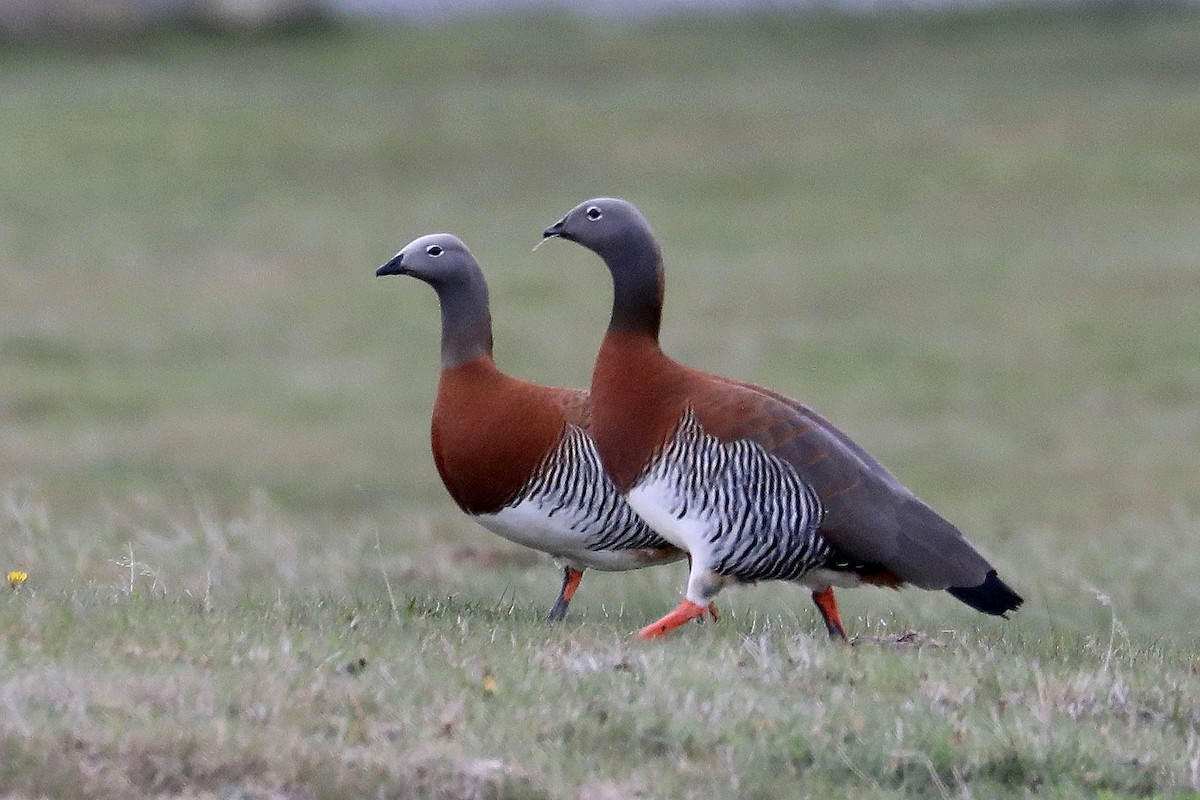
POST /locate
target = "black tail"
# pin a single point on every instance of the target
(991, 597)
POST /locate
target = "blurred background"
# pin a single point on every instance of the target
(967, 234)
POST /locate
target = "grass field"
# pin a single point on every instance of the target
(970, 239)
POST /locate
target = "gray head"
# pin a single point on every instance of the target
(437, 258)
(607, 226)
(445, 263)
(617, 232)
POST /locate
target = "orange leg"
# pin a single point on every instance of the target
(827, 605)
(685, 611)
(571, 579)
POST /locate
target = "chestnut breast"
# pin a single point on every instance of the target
(490, 432)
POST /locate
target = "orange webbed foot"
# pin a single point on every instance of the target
(687, 610)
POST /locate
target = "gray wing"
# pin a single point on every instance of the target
(870, 516)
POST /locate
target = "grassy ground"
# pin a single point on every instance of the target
(971, 240)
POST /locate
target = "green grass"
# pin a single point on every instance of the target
(970, 239)
(341, 695)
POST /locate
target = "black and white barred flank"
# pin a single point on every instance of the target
(571, 484)
(761, 518)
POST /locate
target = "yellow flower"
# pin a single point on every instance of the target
(16, 578)
(489, 683)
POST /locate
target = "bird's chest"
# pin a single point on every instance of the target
(486, 448)
(686, 486)
(720, 499)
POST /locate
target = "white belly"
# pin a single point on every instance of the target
(653, 499)
(527, 523)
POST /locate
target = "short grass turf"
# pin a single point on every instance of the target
(969, 238)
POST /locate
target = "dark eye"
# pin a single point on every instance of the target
(594, 213)
(433, 250)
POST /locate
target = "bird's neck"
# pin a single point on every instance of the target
(637, 273)
(466, 321)
(635, 402)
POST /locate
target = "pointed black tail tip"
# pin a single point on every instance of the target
(993, 596)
